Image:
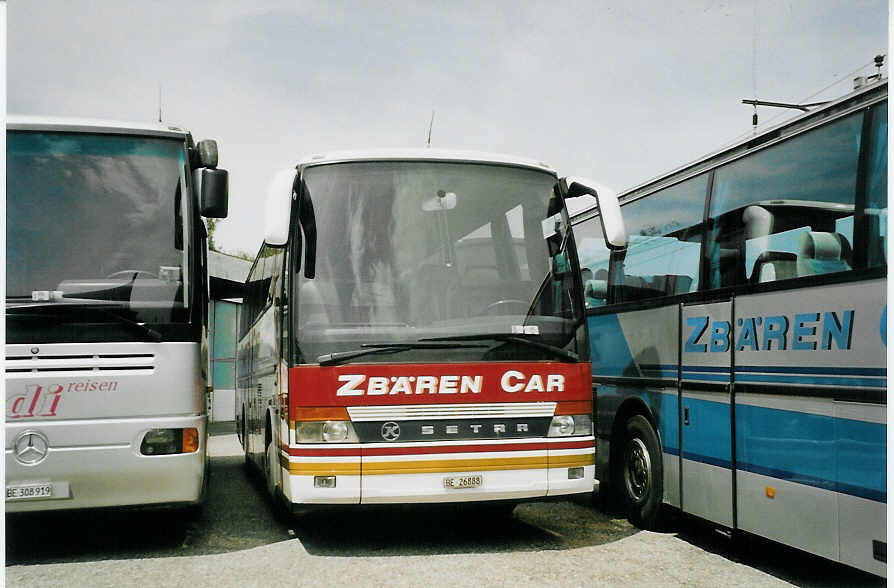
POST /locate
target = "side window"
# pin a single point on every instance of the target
(594, 257)
(247, 310)
(786, 211)
(876, 212)
(665, 230)
(257, 287)
(273, 269)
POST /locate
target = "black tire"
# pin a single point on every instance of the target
(641, 481)
(270, 461)
(245, 440)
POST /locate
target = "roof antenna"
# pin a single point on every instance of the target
(430, 123)
(754, 67)
(159, 102)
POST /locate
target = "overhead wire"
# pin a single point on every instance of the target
(838, 80)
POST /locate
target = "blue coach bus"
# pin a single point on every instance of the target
(739, 343)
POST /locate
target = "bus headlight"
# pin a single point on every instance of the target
(335, 431)
(571, 425)
(170, 441)
(325, 432)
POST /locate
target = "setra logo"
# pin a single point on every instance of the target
(390, 431)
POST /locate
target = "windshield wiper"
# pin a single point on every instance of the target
(558, 352)
(370, 348)
(77, 308)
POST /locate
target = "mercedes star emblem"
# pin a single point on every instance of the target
(31, 448)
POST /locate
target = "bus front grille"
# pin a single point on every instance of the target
(451, 411)
(128, 362)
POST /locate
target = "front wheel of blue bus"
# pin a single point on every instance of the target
(642, 475)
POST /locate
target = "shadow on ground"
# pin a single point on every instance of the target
(238, 515)
(783, 562)
(457, 529)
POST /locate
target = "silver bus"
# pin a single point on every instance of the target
(106, 313)
(739, 343)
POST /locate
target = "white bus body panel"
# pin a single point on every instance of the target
(426, 483)
(94, 403)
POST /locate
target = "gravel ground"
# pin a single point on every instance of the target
(641, 559)
(238, 541)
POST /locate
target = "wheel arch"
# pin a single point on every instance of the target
(630, 407)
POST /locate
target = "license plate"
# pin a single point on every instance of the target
(31, 490)
(462, 482)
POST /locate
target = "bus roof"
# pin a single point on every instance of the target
(877, 90)
(853, 100)
(451, 155)
(18, 122)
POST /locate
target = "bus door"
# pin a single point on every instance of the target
(705, 411)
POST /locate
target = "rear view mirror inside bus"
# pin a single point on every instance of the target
(442, 201)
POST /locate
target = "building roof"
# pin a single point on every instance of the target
(226, 275)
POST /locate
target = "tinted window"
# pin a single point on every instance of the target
(877, 187)
(665, 239)
(786, 211)
(414, 249)
(594, 258)
(95, 218)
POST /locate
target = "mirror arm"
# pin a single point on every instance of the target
(308, 221)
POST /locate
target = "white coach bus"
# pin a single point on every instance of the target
(106, 313)
(413, 331)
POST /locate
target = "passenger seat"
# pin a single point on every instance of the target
(823, 253)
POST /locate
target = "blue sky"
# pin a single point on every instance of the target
(616, 91)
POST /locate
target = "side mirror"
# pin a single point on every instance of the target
(609, 209)
(207, 150)
(215, 193)
(279, 205)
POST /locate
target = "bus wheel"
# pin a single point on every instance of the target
(245, 439)
(642, 475)
(270, 459)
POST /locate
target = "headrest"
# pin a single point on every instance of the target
(823, 246)
(596, 289)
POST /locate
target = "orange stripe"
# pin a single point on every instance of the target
(570, 461)
(434, 466)
(373, 468)
(321, 468)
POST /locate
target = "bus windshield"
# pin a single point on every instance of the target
(408, 251)
(95, 221)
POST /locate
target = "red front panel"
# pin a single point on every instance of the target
(443, 383)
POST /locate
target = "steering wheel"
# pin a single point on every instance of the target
(523, 305)
(133, 272)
